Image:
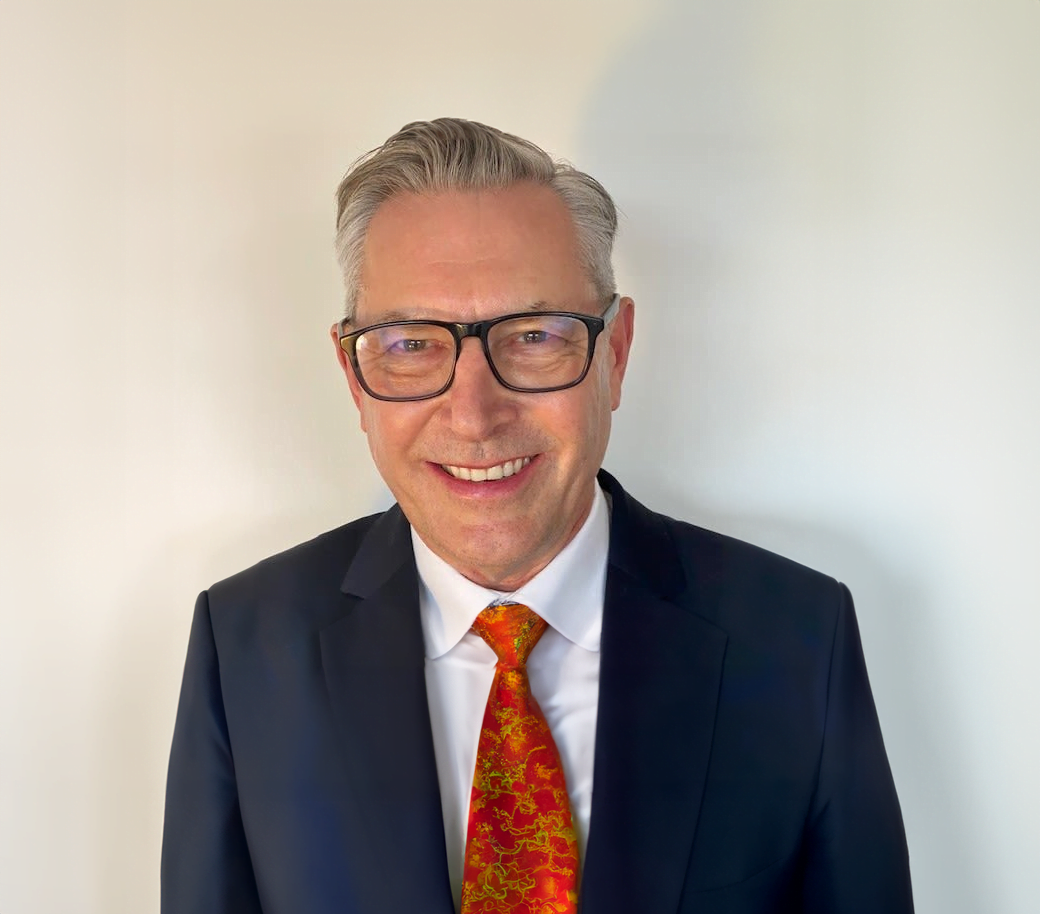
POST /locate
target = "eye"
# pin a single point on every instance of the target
(409, 345)
(406, 341)
(535, 336)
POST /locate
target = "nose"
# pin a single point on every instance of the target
(476, 405)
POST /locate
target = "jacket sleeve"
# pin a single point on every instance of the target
(205, 859)
(856, 859)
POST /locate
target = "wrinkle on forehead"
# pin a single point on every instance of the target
(465, 244)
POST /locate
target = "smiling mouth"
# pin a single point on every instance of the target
(483, 474)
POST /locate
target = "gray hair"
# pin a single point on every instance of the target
(454, 154)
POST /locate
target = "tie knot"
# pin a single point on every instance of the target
(511, 630)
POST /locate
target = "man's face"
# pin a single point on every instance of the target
(465, 256)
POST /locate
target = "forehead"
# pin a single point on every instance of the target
(461, 253)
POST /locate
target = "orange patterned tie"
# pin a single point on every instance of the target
(521, 851)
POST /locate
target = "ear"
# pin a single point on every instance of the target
(348, 371)
(621, 330)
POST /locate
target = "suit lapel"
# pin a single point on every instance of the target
(373, 661)
(660, 673)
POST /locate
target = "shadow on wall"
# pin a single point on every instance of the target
(732, 135)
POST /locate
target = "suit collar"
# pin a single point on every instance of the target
(385, 550)
(640, 546)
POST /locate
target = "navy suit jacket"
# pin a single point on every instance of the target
(739, 766)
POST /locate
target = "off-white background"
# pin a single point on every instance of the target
(832, 230)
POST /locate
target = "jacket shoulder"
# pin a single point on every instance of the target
(331, 550)
(299, 586)
(713, 554)
(747, 589)
(738, 586)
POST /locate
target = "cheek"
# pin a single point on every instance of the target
(584, 423)
(375, 419)
(392, 429)
(609, 381)
(602, 395)
(604, 402)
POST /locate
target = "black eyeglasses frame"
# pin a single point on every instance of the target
(480, 329)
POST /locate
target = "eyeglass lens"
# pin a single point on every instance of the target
(532, 352)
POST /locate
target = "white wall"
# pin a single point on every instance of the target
(833, 234)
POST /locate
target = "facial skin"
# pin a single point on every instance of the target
(465, 256)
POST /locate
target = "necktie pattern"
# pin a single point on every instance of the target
(521, 850)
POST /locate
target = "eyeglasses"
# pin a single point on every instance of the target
(530, 352)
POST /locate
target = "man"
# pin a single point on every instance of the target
(359, 729)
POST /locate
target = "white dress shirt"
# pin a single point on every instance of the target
(563, 669)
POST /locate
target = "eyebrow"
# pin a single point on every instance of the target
(402, 315)
(397, 316)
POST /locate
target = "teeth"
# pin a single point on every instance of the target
(501, 471)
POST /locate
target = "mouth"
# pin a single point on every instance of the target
(486, 474)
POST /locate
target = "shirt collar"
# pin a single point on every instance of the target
(567, 593)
